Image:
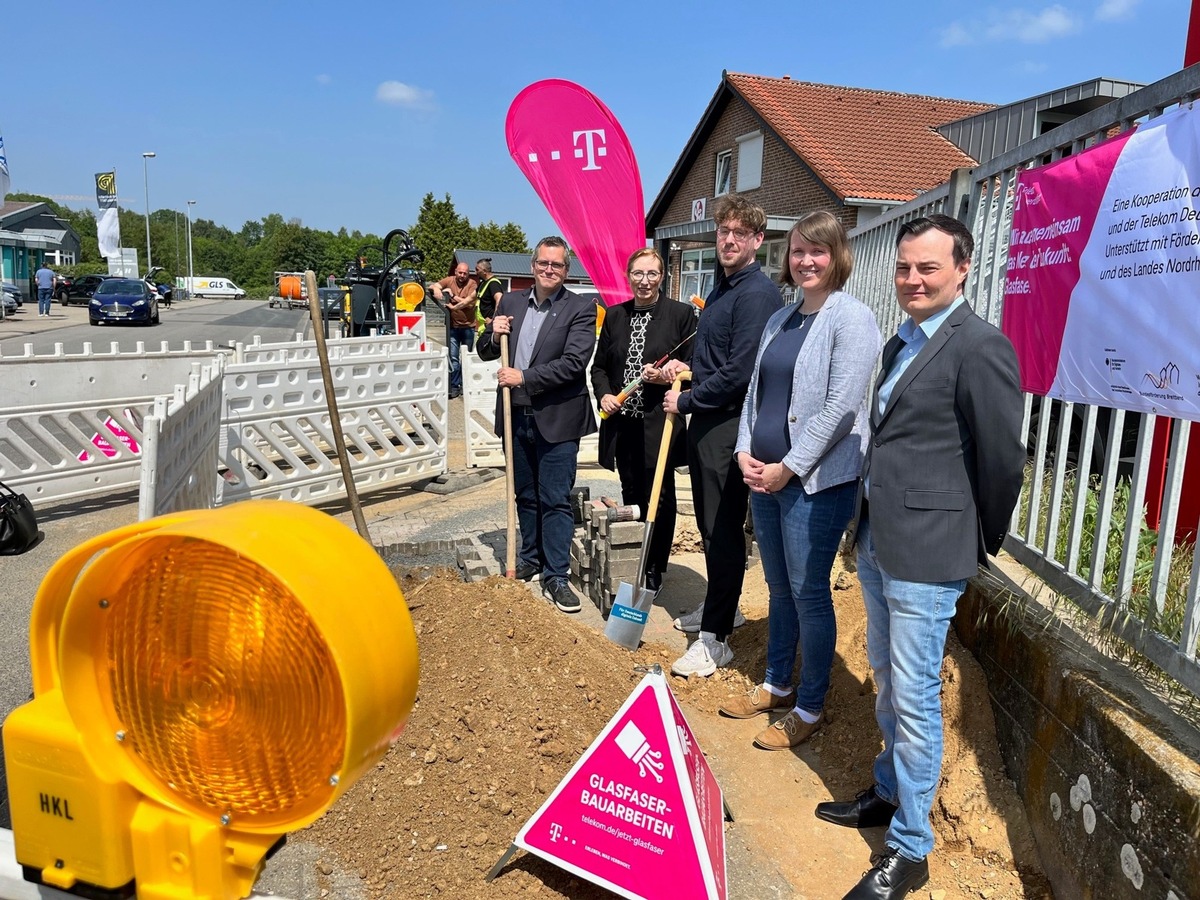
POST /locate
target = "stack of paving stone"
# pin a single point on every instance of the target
(604, 554)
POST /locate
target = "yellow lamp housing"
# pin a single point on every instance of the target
(204, 683)
(409, 296)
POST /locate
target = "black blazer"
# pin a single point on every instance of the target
(556, 379)
(670, 323)
(946, 458)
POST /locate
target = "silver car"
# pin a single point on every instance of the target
(11, 296)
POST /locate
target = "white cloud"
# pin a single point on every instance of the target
(397, 93)
(323, 78)
(1020, 26)
(956, 35)
(1115, 10)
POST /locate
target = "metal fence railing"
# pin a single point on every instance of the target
(1081, 523)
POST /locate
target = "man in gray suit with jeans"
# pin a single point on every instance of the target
(553, 335)
(942, 476)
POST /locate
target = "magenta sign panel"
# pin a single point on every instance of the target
(578, 159)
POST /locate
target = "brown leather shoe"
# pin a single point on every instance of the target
(759, 700)
(788, 732)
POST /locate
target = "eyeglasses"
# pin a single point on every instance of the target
(740, 234)
(550, 264)
(645, 276)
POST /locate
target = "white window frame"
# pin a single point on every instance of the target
(724, 180)
(699, 278)
(750, 161)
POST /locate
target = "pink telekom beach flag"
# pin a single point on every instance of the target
(578, 159)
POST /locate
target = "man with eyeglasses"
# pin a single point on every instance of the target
(727, 337)
(552, 333)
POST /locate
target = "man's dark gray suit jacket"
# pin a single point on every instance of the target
(946, 459)
(556, 376)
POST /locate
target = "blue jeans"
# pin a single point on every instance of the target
(543, 475)
(44, 296)
(455, 338)
(798, 535)
(907, 623)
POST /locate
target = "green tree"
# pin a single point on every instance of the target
(507, 238)
(438, 232)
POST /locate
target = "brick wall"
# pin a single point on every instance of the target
(788, 188)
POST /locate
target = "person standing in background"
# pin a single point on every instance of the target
(490, 292)
(45, 280)
(457, 293)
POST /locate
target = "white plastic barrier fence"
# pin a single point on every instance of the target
(479, 410)
(71, 424)
(179, 463)
(277, 439)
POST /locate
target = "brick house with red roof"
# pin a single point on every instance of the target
(795, 146)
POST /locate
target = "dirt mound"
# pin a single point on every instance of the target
(512, 692)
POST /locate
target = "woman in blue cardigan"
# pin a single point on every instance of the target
(800, 447)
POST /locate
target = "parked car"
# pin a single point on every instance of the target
(12, 290)
(77, 290)
(123, 300)
(12, 296)
(9, 302)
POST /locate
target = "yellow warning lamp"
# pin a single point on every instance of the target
(204, 683)
(409, 296)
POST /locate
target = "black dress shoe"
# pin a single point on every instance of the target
(527, 571)
(866, 810)
(890, 878)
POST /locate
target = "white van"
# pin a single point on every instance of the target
(208, 286)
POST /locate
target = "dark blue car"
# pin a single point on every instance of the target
(123, 300)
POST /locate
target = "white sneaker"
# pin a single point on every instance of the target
(689, 623)
(704, 657)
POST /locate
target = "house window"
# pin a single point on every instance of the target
(724, 171)
(697, 268)
(750, 159)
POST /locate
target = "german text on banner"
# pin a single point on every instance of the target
(1104, 268)
(108, 223)
(578, 159)
(640, 813)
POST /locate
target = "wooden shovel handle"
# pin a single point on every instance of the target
(664, 450)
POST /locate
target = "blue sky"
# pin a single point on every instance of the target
(347, 114)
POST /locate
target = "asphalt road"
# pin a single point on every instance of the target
(222, 321)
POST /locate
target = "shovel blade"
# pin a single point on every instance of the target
(627, 619)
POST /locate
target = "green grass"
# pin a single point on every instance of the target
(1136, 603)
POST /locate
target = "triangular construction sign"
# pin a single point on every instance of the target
(640, 813)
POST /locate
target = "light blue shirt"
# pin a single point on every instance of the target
(915, 338)
(531, 327)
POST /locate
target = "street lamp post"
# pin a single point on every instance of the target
(191, 275)
(146, 180)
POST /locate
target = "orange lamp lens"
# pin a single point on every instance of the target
(225, 690)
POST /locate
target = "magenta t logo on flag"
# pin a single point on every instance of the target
(578, 159)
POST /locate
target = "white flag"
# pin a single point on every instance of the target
(3, 171)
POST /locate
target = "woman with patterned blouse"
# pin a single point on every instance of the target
(635, 335)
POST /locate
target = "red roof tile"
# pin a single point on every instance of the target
(861, 143)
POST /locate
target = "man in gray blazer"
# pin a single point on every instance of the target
(553, 334)
(942, 476)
